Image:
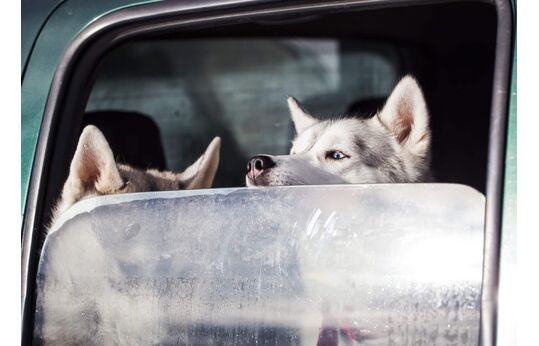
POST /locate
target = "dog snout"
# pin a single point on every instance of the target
(258, 164)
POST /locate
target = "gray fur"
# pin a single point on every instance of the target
(391, 147)
(94, 172)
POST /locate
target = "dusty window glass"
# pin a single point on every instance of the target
(237, 88)
(381, 264)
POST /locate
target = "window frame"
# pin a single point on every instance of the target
(83, 54)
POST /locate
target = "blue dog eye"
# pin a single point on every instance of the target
(336, 155)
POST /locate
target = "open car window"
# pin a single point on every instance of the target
(236, 88)
(380, 264)
(373, 264)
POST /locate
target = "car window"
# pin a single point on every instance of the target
(322, 264)
(388, 264)
(237, 89)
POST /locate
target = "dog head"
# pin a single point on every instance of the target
(94, 172)
(392, 146)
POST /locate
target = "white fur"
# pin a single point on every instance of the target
(94, 172)
(393, 146)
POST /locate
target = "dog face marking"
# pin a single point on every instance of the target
(94, 172)
(393, 146)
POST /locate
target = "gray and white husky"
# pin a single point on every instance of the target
(97, 319)
(94, 172)
(391, 147)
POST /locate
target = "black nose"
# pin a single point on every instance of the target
(258, 164)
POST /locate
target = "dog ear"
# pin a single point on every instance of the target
(201, 173)
(405, 115)
(301, 118)
(93, 169)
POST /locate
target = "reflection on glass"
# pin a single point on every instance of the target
(377, 264)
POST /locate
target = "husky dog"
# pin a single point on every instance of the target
(391, 147)
(94, 172)
(96, 321)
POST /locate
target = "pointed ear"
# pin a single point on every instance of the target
(201, 173)
(93, 169)
(301, 118)
(405, 115)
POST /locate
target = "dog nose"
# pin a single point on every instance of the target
(259, 164)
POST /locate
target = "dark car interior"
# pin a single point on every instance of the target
(176, 90)
(453, 64)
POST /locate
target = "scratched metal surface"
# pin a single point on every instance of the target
(376, 264)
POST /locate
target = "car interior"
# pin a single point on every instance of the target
(178, 89)
(232, 81)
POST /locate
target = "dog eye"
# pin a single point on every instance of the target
(125, 182)
(335, 155)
